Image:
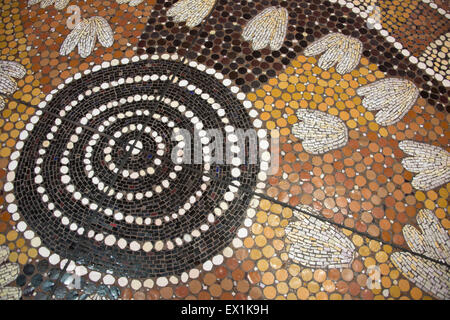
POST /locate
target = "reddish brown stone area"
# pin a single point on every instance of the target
(417, 29)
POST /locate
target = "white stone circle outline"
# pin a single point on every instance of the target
(109, 279)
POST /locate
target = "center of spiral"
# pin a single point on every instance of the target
(136, 145)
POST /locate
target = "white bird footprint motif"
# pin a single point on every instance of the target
(342, 50)
(85, 34)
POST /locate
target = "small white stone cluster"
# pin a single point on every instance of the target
(393, 97)
(267, 28)
(317, 244)
(437, 56)
(59, 4)
(9, 70)
(85, 34)
(8, 273)
(320, 131)
(338, 49)
(131, 3)
(193, 12)
(430, 162)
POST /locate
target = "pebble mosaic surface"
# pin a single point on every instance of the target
(348, 196)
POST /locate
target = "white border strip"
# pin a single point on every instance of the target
(436, 7)
(413, 59)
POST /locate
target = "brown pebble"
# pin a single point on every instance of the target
(209, 278)
(139, 296)
(181, 291)
(226, 296)
(232, 263)
(254, 277)
(243, 286)
(195, 286)
(357, 266)
(238, 274)
(247, 265)
(153, 294)
(347, 274)
(342, 287)
(204, 296)
(215, 290)
(226, 284)
(362, 280)
(333, 274)
(127, 294)
(221, 272)
(354, 288)
(240, 296)
(166, 292)
(255, 293)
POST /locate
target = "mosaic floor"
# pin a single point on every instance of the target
(341, 192)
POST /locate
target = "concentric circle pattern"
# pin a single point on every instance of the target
(113, 194)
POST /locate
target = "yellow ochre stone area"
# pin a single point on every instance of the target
(305, 85)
